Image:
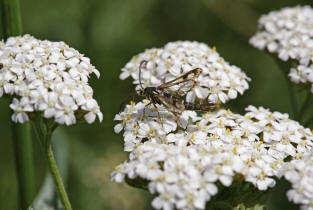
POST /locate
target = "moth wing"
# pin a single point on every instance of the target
(183, 83)
(171, 104)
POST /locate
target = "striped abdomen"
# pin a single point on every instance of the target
(199, 107)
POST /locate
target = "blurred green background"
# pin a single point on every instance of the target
(110, 32)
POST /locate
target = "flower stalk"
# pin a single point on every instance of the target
(283, 67)
(292, 97)
(298, 110)
(44, 130)
(306, 104)
(57, 178)
(12, 26)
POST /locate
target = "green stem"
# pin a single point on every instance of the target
(283, 67)
(305, 105)
(12, 26)
(24, 163)
(43, 130)
(57, 178)
(11, 14)
(293, 99)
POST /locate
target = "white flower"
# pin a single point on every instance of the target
(65, 111)
(183, 157)
(219, 81)
(93, 109)
(182, 165)
(288, 33)
(47, 77)
(20, 109)
(164, 201)
(299, 173)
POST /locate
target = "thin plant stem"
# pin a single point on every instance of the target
(57, 178)
(305, 105)
(293, 98)
(298, 112)
(47, 197)
(283, 67)
(43, 130)
(12, 26)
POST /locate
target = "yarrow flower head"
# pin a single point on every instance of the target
(49, 78)
(185, 164)
(299, 173)
(289, 34)
(218, 82)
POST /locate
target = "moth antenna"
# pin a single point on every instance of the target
(140, 66)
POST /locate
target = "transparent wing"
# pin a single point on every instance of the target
(183, 83)
(171, 102)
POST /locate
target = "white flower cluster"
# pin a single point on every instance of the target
(289, 34)
(183, 162)
(299, 173)
(218, 82)
(47, 77)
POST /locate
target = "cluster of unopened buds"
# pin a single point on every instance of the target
(186, 159)
(49, 78)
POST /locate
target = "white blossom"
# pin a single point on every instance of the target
(183, 165)
(299, 173)
(185, 156)
(288, 33)
(218, 82)
(49, 78)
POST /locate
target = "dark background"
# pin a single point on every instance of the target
(110, 32)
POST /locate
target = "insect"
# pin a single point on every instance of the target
(162, 95)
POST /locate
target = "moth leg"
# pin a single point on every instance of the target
(168, 108)
(175, 113)
(144, 109)
(156, 108)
